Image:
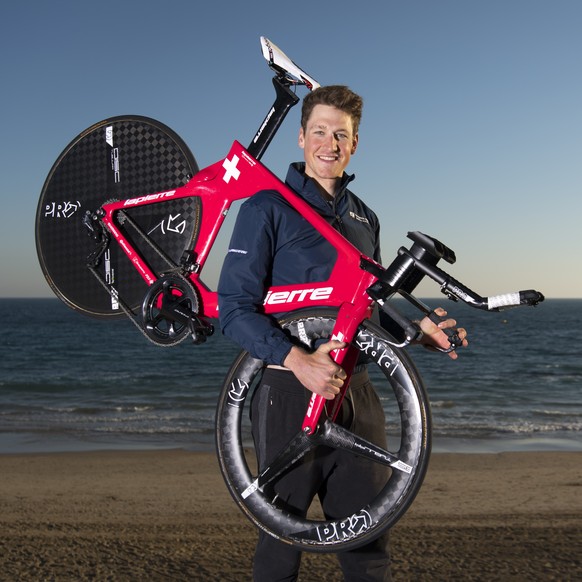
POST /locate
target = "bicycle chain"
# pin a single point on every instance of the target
(114, 295)
(175, 269)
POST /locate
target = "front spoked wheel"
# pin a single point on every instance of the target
(408, 429)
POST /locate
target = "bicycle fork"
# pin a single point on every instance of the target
(345, 329)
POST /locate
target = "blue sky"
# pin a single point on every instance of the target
(472, 128)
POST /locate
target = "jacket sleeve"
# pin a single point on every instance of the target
(244, 280)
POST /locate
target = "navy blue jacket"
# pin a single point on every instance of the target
(272, 244)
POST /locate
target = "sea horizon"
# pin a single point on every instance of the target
(73, 383)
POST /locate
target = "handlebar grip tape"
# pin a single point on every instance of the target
(507, 300)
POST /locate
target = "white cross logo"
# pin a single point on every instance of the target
(231, 169)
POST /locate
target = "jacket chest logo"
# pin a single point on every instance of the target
(358, 218)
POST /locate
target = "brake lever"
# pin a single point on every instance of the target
(452, 334)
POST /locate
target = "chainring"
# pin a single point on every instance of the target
(167, 309)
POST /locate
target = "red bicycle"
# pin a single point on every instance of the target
(152, 217)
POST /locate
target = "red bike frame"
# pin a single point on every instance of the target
(237, 177)
(354, 287)
(240, 175)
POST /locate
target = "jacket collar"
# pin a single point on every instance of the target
(305, 186)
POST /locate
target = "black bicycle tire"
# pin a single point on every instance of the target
(398, 494)
(153, 159)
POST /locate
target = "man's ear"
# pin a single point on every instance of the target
(301, 140)
(355, 144)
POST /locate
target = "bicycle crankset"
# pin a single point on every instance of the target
(169, 312)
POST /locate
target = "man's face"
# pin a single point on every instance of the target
(328, 143)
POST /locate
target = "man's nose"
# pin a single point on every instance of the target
(333, 142)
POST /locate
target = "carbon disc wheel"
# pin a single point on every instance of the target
(115, 159)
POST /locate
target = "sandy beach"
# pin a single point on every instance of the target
(166, 515)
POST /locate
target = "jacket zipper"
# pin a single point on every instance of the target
(338, 218)
(340, 224)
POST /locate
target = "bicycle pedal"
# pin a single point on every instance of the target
(199, 330)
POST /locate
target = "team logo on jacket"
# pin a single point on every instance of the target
(358, 218)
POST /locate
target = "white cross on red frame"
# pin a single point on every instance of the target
(231, 170)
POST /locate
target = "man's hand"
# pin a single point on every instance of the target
(317, 371)
(434, 336)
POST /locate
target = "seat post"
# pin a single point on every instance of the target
(284, 100)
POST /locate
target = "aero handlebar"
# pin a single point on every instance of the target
(411, 265)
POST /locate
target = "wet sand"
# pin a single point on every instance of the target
(167, 515)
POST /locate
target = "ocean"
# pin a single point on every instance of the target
(73, 383)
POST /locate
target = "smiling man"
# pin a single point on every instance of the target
(328, 138)
(273, 245)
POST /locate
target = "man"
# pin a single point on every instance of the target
(273, 245)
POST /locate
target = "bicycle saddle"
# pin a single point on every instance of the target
(280, 62)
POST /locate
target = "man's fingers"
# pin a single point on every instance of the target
(331, 345)
(337, 380)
